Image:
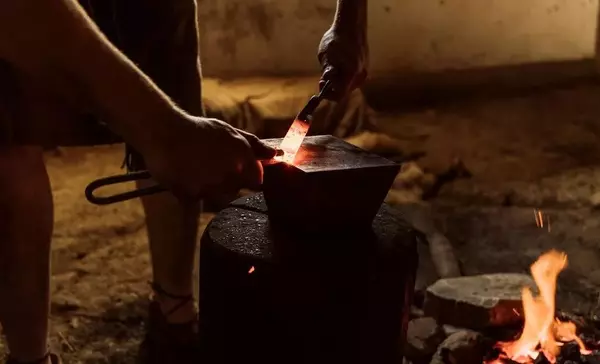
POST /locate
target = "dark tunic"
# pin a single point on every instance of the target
(160, 36)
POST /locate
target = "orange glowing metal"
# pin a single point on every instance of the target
(251, 270)
(293, 140)
(295, 136)
(542, 333)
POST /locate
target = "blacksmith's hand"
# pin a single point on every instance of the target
(344, 61)
(201, 157)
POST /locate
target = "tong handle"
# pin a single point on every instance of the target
(313, 103)
(324, 90)
(124, 196)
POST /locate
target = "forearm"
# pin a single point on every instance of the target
(59, 36)
(351, 17)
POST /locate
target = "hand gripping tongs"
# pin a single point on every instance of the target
(290, 145)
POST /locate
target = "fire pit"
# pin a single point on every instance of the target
(271, 293)
(543, 336)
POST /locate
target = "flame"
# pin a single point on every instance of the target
(251, 270)
(542, 333)
(293, 140)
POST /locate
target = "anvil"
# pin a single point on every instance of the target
(331, 185)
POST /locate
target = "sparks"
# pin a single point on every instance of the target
(539, 217)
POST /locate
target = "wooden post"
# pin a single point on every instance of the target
(272, 296)
(597, 43)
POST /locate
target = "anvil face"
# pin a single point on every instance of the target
(326, 153)
(331, 185)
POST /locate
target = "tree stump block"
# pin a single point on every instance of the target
(271, 295)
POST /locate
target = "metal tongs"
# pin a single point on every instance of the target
(305, 116)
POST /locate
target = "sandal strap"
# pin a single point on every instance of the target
(185, 299)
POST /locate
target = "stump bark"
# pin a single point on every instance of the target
(270, 295)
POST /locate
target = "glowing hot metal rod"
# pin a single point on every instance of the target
(295, 136)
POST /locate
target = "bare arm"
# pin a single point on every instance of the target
(343, 51)
(351, 17)
(58, 36)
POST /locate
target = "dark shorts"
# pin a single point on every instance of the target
(160, 36)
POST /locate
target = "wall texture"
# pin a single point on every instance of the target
(271, 37)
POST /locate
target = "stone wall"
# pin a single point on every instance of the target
(275, 37)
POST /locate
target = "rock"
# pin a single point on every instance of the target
(595, 200)
(404, 196)
(376, 143)
(416, 312)
(410, 175)
(423, 337)
(451, 330)
(463, 347)
(426, 273)
(541, 359)
(477, 302)
(64, 304)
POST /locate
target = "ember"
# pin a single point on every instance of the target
(544, 337)
(539, 217)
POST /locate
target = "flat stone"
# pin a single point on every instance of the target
(463, 347)
(477, 302)
(450, 330)
(423, 337)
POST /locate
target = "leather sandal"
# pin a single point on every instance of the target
(168, 343)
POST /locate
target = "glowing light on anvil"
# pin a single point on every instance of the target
(293, 140)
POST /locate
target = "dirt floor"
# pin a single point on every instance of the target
(538, 151)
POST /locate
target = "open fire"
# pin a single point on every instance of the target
(543, 335)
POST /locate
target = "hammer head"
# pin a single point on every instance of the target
(331, 185)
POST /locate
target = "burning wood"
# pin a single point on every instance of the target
(543, 334)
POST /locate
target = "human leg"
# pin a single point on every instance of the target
(26, 219)
(163, 41)
(172, 62)
(172, 332)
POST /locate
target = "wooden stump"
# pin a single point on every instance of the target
(273, 296)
